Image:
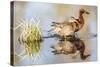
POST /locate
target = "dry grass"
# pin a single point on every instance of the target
(31, 37)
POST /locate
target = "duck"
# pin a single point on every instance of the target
(69, 28)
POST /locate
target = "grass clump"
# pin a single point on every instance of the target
(31, 37)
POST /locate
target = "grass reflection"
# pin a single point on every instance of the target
(32, 48)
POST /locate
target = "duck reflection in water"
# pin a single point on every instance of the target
(73, 46)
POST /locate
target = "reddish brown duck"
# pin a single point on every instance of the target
(69, 28)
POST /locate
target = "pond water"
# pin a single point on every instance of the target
(47, 57)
